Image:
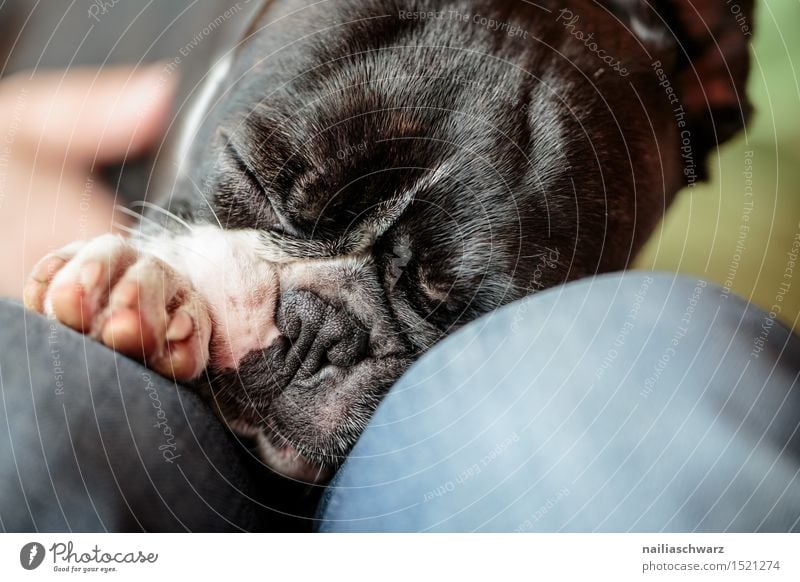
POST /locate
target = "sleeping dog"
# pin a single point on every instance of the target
(358, 178)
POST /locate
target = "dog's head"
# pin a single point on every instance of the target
(411, 166)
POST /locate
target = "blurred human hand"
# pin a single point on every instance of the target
(56, 129)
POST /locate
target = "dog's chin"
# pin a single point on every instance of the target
(290, 462)
(285, 460)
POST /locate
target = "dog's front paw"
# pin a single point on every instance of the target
(131, 301)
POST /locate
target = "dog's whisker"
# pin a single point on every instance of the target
(203, 196)
(161, 241)
(138, 215)
(165, 212)
(213, 212)
(128, 229)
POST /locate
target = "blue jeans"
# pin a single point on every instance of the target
(627, 402)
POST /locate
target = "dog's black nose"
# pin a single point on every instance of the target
(319, 333)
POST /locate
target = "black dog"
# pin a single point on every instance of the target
(358, 178)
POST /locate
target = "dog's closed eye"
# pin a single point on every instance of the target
(244, 180)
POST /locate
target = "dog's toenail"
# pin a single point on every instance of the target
(180, 327)
(125, 295)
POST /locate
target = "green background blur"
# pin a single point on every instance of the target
(701, 231)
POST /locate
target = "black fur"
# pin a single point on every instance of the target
(463, 164)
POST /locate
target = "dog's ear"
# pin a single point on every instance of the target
(705, 44)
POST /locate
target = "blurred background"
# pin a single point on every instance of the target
(737, 230)
(705, 232)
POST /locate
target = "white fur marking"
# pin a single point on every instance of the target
(240, 288)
